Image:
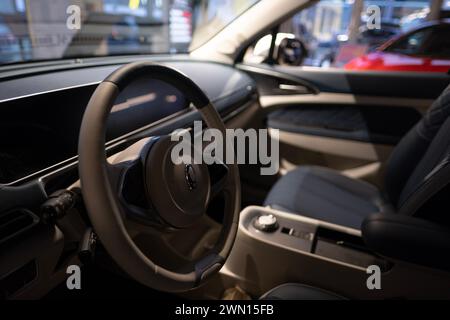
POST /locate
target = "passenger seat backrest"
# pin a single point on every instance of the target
(417, 153)
(430, 177)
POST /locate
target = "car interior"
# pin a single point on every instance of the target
(86, 177)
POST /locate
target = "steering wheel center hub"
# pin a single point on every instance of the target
(179, 190)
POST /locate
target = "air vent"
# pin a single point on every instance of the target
(16, 222)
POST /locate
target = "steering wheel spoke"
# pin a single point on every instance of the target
(218, 173)
(126, 175)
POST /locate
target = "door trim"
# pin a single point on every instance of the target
(420, 105)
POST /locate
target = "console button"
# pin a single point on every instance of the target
(266, 223)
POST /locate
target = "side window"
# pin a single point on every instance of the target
(412, 44)
(439, 44)
(360, 35)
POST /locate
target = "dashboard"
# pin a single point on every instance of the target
(41, 110)
(40, 131)
(41, 113)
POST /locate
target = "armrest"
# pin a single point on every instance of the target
(408, 239)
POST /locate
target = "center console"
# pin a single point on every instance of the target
(325, 240)
(274, 247)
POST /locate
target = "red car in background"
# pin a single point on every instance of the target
(425, 49)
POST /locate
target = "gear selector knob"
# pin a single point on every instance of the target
(266, 223)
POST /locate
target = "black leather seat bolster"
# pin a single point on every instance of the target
(296, 291)
(427, 243)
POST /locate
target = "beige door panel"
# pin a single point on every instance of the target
(359, 160)
(339, 147)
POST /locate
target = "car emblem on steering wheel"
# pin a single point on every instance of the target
(191, 179)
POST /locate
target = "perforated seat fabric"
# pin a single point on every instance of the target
(327, 195)
(297, 291)
(417, 175)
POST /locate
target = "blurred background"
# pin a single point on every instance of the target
(337, 31)
(36, 30)
(329, 34)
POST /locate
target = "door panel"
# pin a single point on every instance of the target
(346, 120)
(363, 123)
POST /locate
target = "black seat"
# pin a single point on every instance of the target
(327, 195)
(414, 175)
(296, 291)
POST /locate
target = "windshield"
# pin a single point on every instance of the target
(32, 30)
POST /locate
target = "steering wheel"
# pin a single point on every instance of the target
(143, 185)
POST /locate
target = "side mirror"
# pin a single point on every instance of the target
(291, 52)
(288, 50)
